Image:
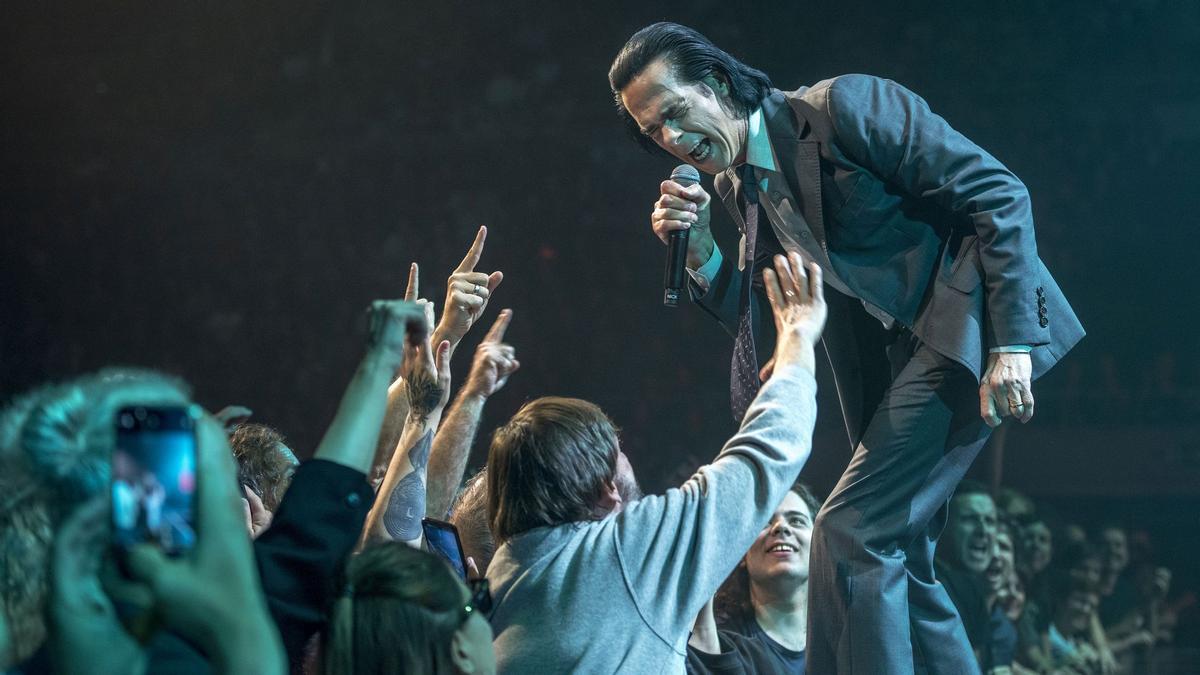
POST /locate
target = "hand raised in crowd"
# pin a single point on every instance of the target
(494, 360)
(258, 516)
(211, 596)
(426, 373)
(684, 208)
(797, 300)
(393, 326)
(467, 294)
(1005, 388)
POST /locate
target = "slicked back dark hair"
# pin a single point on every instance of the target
(550, 465)
(692, 57)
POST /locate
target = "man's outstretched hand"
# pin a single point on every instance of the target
(798, 304)
(1005, 388)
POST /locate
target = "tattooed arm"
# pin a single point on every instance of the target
(467, 294)
(400, 501)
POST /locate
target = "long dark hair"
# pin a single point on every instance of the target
(549, 465)
(693, 57)
(397, 614)
(732, 605)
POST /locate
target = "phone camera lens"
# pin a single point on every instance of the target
(126, 421)
(140, 414)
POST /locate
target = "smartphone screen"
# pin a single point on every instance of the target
(154, 478)
(442, 538)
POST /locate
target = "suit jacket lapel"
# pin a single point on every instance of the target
(728, 186)
(799, 158)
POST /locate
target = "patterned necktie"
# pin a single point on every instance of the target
(743, 381)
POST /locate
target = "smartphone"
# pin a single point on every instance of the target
(154, 477)
(442, 538)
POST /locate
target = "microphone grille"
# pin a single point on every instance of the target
(686, 175)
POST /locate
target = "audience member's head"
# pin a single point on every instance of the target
(1002, 569)
(1081, 564)
(971, 528)
(1036, 543)
(469, 515)
(1111, 538)
(1074, 607)
(405, 611)
(265, 462)
(776, 565)
(1013, 504)
(69, 434)
(556, 461)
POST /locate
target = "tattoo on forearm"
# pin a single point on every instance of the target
(419, 455)
(424, 393)
(406, 505)
(406, 508)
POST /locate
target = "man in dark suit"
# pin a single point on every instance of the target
(941, 312)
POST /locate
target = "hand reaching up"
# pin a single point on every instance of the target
(426, 373)
(798, 305)
(467, 294)
(494, 361)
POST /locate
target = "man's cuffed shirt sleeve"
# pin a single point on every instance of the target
(708, 271)
(1011, 349)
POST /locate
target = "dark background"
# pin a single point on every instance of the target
(218, 189)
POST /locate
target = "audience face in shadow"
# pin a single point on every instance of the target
(970, 532)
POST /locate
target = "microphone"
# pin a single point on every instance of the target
(675, 277)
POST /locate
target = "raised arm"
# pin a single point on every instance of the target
(351, 438)
(683, 545)
(494, 362)
(400, 503)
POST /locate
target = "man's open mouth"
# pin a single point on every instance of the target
(702, 151)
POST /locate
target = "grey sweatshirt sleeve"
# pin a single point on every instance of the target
(676, 549)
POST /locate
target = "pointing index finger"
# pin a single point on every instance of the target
(410, 294)
(496, 333)
(472, 258)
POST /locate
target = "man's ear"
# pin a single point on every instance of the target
(717, 82)
(610, 500)
(459, 655)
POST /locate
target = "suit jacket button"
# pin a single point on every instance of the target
(776, 197)
(353, 500)
(1043, 322)
(804, 234)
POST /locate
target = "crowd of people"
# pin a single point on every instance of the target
(1039, 594)
(317, 566)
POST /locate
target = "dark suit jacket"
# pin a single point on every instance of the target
(915, 219)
